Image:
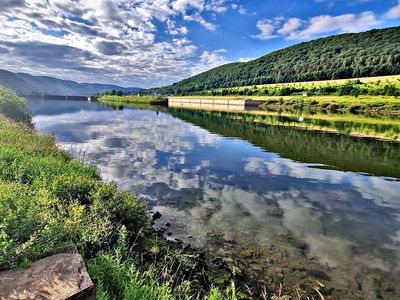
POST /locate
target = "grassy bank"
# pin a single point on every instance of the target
(130, 99)
(50, 202)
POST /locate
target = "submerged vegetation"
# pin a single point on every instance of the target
(50, 203)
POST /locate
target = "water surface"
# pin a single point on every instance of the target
(288, 206)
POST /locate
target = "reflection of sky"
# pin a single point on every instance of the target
(209, 184)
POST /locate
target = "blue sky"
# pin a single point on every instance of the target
(155, 42)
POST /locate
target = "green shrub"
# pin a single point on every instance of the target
(13, 107)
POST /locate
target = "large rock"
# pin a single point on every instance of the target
(60, 276)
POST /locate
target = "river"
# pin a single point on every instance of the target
(289, 207)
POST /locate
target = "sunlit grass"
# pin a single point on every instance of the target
(395, 79)
(130, 99)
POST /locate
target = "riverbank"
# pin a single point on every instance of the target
(386, 105)
(51, 203)
(132, 99)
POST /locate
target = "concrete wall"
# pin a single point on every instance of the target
(216, 104)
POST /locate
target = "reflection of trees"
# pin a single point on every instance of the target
(340, 151)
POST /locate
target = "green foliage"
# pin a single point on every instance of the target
(366, 54)
(13, 107)
(117, 275)
(117, 99)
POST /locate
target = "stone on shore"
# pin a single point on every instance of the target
(60, 276)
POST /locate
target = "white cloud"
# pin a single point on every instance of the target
(240, 8)
(218, 6)
(343, 23)
(245, 59)
(267, 28)
(183, 5)
(199, 19)
(175, 30)
(104, 40)
(394, 12)
(297, 29)
(210, 59)
(290, 25)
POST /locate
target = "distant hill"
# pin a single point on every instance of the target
(371, 53)
(25, 84)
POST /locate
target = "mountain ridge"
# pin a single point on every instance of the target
(26, 84)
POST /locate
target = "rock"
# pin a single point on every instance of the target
(60, 276)
(157, 215)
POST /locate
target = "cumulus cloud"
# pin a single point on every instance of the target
(115, 41)
(210, 59)
(343, 23)
(290, 25)
(394, 12)
(298, 29)
(199, 19)
(267, 30)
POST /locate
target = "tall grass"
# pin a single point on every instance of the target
(130, 99)
(13, 107)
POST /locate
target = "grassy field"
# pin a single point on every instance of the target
(394, 79)
(50, 203)
(130, 99)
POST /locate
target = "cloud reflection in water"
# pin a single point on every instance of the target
(223, 190)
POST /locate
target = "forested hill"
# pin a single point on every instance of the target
(371, 53)
(26, 84)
